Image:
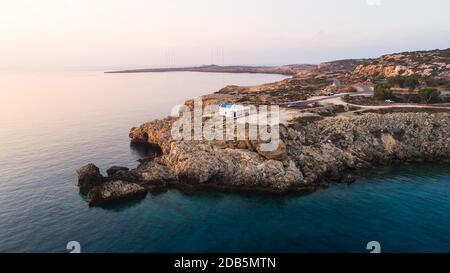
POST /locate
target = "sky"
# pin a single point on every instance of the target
(121, 34)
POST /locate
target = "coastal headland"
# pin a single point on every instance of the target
(337, 118)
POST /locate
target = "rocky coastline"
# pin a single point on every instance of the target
(317, 147)
(310, 156)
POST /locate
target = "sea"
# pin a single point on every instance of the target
(51, 123)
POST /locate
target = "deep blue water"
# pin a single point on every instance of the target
(60, 122)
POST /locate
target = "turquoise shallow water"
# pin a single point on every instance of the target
(404, 208)
(52, 124)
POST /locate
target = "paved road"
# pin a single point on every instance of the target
(362, 90)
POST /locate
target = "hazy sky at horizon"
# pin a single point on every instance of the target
(115, 34)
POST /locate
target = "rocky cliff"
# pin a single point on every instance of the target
(309, 155)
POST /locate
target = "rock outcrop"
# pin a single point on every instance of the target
(308, 155)
(433, 63)
(115, 169)
(311, 152)
(333, 146)
(122, 183)
(113, 191)
(89, 177)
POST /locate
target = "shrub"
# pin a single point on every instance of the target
(431, 81)
(411, 82)
(396, 81)
(430, 95)
(382, 91)
(434, 82)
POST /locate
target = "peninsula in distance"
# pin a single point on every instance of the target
(283, 70)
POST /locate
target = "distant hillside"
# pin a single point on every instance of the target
(431, 68)
(342, 65)
(433, 63)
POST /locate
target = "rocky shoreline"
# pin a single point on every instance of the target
(316, 147)
(310, 155)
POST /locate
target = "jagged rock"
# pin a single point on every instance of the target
(311, 154)
(279, 176)
(279, 153)
(155, 173)
(401, 137)
(123, 183)
(115, 169)
(125, 175)
(113, 191)
(89, 177)
(157, 132)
